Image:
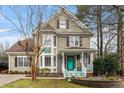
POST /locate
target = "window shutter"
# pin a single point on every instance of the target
(57, 24)
(80, 41)
(67, 24)
(89, 59)
(67, 41)
(15, 61)
(54, 40)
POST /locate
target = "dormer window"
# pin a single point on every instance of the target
(63, 23)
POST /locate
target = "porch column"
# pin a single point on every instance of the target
(83, 67)
(82, 54)
(63, 67)
(52, 64)
(9, 63)
(91, 58)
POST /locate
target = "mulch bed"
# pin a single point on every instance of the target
(99, 83)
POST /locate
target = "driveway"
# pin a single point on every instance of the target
(7, 78)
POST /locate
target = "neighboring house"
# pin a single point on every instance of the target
(66, 41)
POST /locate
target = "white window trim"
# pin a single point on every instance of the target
(74, 45)
(23, 61)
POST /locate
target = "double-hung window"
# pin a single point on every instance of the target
(22, 61)
(74, 41)
(62, 23)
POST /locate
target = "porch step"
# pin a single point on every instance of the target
(75, 74)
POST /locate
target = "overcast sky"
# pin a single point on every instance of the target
(7, 30)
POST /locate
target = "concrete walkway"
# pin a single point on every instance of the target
(7, 78)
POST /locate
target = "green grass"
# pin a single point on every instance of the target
(41, 83)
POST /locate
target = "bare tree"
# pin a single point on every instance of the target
(29, 20)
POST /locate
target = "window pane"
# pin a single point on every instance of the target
(47, 50)
(20, 61)
(76, 41)
(25, 61)
(47, 40)
(47, 60)
(71, 41)
(54, 60)
(63, 23)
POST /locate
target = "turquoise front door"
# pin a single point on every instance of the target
(70, 63)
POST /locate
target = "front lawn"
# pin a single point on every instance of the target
(41, 83)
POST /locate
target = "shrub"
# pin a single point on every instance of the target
(45, 71)
(15, 72)
(107, 65)
(4, 71)
(112, 78)
(98, 66)
(10, 72)
(26, 72)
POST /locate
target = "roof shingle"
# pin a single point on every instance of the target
(17, 48)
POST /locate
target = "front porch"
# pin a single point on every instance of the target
(77, 63)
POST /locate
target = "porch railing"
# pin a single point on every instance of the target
(84, 70)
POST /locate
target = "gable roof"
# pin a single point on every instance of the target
(48, 27)
(17, 48)
(77, 21)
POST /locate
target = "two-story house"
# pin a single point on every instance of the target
(66, 43)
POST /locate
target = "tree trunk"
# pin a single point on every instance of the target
(99, 32)
(119, 41)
